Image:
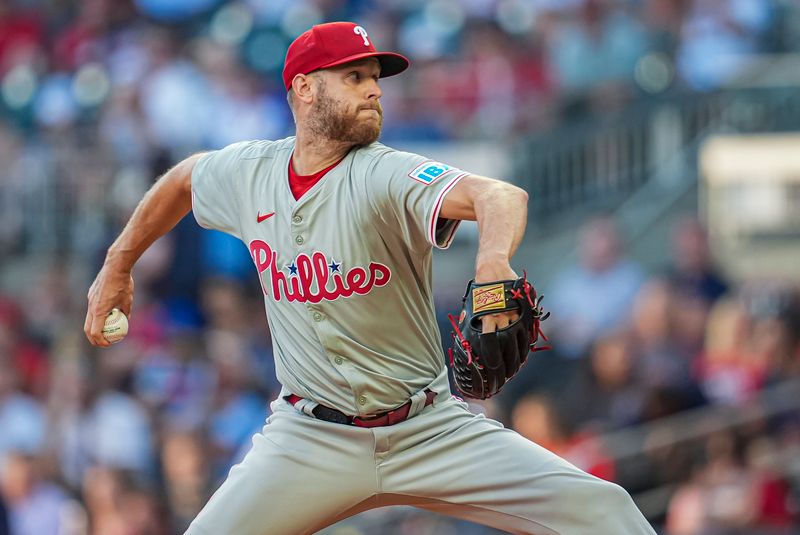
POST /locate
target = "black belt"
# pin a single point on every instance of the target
(394, 416)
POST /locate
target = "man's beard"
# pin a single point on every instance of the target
(332, 120)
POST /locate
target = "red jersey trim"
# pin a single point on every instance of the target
(300, 184)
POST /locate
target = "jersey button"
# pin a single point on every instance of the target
(297, 219)
(317, 316)
(338, 360)
(362, 400)
(299, 240)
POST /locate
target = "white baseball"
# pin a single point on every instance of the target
(116, 326)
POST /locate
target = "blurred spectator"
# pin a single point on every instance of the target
(776, 504)
(774, 312)
(222, 302)
(185, 465)
(22, 418)
(732, 493)
(175, 97)
(775, 344)
(664, 19)
(22, 32)
(176, 382)
(667, 336)
(662, 361)
(119, 427)
(687, 508)
(101, 490)
(728, 370)
(143, 513)
(536, 418)
(238, 411)
(604, 393)
(717, 37)
(240, 109)
(231, 307)
(666, 346)
(595, 296)
(599, 47)
(27, 359)
(118, 506)
(694, 274)
(36, 506)
(5, 529)
(126, 134)
(100, 423)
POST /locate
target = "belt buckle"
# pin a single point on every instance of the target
(331, 415)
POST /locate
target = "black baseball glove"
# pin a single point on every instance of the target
(483, 363)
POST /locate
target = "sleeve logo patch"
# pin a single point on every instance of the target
(488, 298)
(429, 171)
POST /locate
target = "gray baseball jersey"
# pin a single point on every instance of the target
(346, 273)
(345, 270)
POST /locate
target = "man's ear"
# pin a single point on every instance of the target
(303, 88)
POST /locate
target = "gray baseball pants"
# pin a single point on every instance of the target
(303, 474)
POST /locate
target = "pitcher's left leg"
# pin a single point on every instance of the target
(471, 467)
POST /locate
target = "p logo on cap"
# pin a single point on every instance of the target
(332, 44)
(363, 33)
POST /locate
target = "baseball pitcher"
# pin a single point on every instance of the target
(341, 230)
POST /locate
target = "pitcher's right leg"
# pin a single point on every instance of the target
(299, 476)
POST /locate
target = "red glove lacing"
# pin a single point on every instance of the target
(461, 340)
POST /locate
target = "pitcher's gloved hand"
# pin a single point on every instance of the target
(483, 362)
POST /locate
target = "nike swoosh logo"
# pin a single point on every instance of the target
(260, 218)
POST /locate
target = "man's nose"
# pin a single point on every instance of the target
(374, 90)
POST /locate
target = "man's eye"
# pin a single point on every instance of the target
(355, 75)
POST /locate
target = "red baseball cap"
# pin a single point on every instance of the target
(336, 43)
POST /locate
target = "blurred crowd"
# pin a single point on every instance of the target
(151, 74)
(133, 439)
(631, 348)
(99, 97)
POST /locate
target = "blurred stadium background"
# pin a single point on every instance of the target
(659, 141)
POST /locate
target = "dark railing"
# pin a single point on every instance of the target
(604, 159)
